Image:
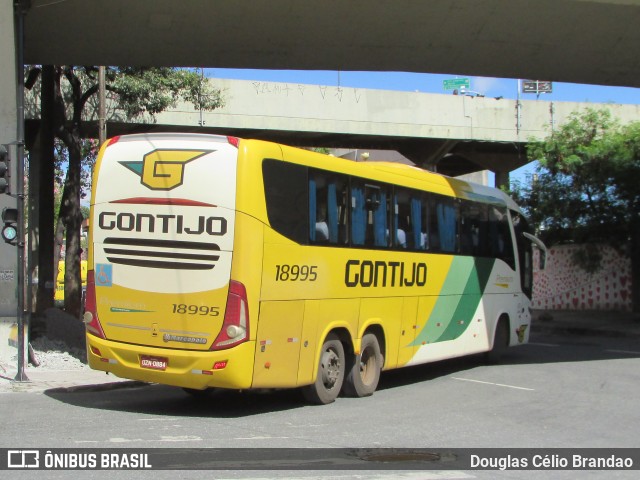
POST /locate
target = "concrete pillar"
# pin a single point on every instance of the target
(43, 232)
(8, 133)
(502, 179)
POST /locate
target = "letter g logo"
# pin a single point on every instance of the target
(164, 169)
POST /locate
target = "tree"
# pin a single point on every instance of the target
(587, 189)
(136, 92)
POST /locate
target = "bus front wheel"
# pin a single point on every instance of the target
(330, 376)
(363, 376)
(500, 341)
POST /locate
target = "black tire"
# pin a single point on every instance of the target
(330, 375)
(363, 376)
(500, 342)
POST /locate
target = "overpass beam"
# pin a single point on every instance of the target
(426, 153)
(432, 159)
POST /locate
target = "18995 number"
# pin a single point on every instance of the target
(203, 310)
(296, 273)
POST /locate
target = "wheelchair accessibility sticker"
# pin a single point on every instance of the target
(104, 275)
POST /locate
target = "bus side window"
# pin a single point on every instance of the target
(337, 192)
(377, 206)
(447, 223)
(500, 243)
(318, 226)
(401, 225)
(419, 222)
(369, 214)
(358, 214)
(525, 260)
(473, 229)
(326, 208)
(343, 211)
(410, 220)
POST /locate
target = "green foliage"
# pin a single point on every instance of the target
(323, 150)
(587, 187)
(153, 90)
(89, 148)
(136, 91)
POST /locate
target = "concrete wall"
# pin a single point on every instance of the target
(8, 253)
(321, 108)
(564, 286)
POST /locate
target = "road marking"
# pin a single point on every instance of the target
(263, 437)
(495, 384)
(543, 344)
(179, 438)
(163, 438)
(626, 352)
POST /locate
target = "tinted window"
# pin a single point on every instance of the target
(525, 254)
(286, 193)
(500, 243)
(328, 194)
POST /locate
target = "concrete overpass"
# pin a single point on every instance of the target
(453, 134)
(584, 41)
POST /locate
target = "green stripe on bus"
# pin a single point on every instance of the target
(473, 291)
(458, 301)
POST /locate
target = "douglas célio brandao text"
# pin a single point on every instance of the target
(551, 462)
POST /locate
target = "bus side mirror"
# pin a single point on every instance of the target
(542, 259)
(541, 246)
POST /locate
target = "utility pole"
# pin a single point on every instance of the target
(20, 12)
(102, 107)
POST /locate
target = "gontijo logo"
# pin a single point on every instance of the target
(163, 169)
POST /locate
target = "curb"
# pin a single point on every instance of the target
(98, 387)
(582, 331)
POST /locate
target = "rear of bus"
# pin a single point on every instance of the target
(161, 305)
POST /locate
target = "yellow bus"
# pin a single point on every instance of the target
(223, 262)
(59, 293)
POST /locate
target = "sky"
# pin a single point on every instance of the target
(433, 83)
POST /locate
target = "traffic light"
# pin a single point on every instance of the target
(5, 175)
(10, 228)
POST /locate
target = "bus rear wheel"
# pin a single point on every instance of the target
(363, 376)
(330, 376)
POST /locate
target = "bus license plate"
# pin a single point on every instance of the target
(154, 363)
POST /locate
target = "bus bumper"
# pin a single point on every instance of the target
(232, 368)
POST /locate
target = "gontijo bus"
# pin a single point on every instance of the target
(221, 262)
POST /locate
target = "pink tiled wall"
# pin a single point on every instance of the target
(564, 286)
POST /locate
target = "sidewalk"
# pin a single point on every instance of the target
(558, 322)
(83, 379)
(583, 322)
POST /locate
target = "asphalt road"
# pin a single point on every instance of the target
(572, 392)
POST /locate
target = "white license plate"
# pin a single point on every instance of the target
(154, 363)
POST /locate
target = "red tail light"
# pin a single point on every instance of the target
(235, 328)
(235, 141)
(90, 311)
(113, 140)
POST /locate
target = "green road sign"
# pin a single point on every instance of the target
(454, 83)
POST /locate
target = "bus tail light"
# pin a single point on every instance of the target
(235, 328)
(235, 141)
(90, 316)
